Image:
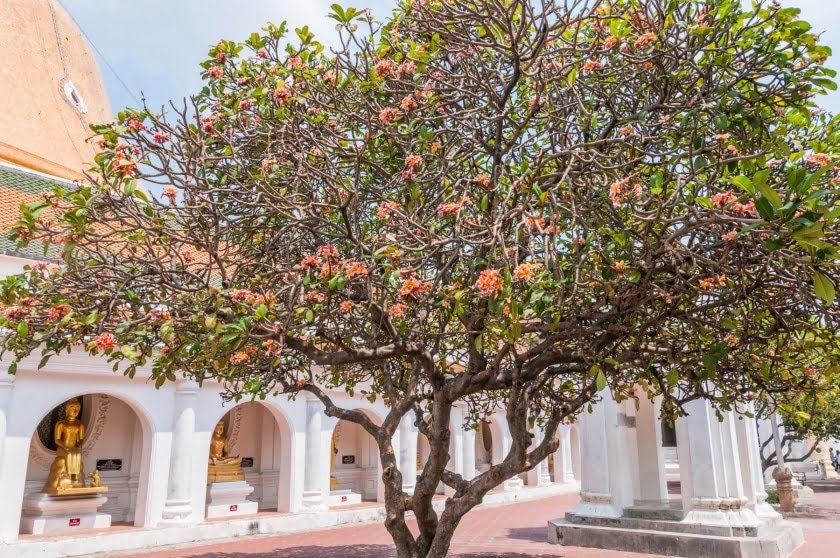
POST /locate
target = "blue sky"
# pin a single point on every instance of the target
(155, 45)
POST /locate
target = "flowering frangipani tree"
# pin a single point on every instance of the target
(500, 204)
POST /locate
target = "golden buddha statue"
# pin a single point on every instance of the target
(333, 452)
(67, 475)
(222, 467)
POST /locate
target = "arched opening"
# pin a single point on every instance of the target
(259, 436)
(88, 466)
(355, 469)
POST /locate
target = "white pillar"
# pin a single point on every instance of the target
(177, 508)
(751, 470)
(563, 470)
(504, 448)
(14, 457)
(456, 446)
(599, 463)
(653, 486)
(408, 453)
(469, 454)
(710, 476)
(313, 491)
(538, 475)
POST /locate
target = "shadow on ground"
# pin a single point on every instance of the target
(533, 534)
(356, 551)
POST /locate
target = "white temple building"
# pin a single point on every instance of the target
(302, 469)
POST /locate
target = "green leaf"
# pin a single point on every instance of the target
(261, 312)
(721, 122)
(600, 377)
(824, 288)
(764, 208)
(22, 329)
(770, 194)
(744, 183)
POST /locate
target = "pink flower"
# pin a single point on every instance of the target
(525, 271)
(397, 310)
(160, 137)
(591, 65)
(171, 193)
(610, 42)
(281, 95)
(346, 306)
(134, 123)
(310, 262)
(723, 199)
(355, 269)
(730, 236)
(489, 282)
(645, 40)
(452, 208)
(262, 53)
(386, 209)
(15, 312)
(215, 72)
(105, 341)
(296, 63)
(406, 69)
(327, 251)
(482, 180)
(384, 68)
(742, 209)
(388, 115)
(408, 103)
(413, 288)
(246, 104)
(817, 160)
(413, 161)
(239, 357)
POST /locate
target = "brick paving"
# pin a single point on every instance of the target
(507, 531)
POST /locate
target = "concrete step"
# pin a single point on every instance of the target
(662, 525)
(622, 537)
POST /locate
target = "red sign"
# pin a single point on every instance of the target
(344, 498)
(75, 521)
(234, 507)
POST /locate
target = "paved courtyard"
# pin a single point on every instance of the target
(506, 531)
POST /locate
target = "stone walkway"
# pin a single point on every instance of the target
(506, 531)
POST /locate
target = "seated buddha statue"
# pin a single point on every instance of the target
(67, 470)
(222, 467)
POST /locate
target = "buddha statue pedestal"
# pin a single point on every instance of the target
(226, 486)
(61, 512)
(341, 496)
(225, 499)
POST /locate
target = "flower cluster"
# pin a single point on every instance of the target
(413, 288)
(817, 160)
(489, 282)
(620, 190)
(355, 269)
(105, 341)
(525, 271)
(645, 40)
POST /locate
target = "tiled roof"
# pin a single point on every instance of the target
(18, 187)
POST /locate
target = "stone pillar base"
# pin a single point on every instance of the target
(344, 498)
(225, 499)
(44, 514)
(313, 500)
(674, 538)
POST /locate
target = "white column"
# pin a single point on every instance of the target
(313, 491)
(469, 454)
(456, 446)
(653, 486)
(505, 444)
(751, 470)
(408, 453)
(7, 383)
(710, 476)
(563, 471)
(177, 508)
(538, 475)
(14, 457)
(598, 463)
